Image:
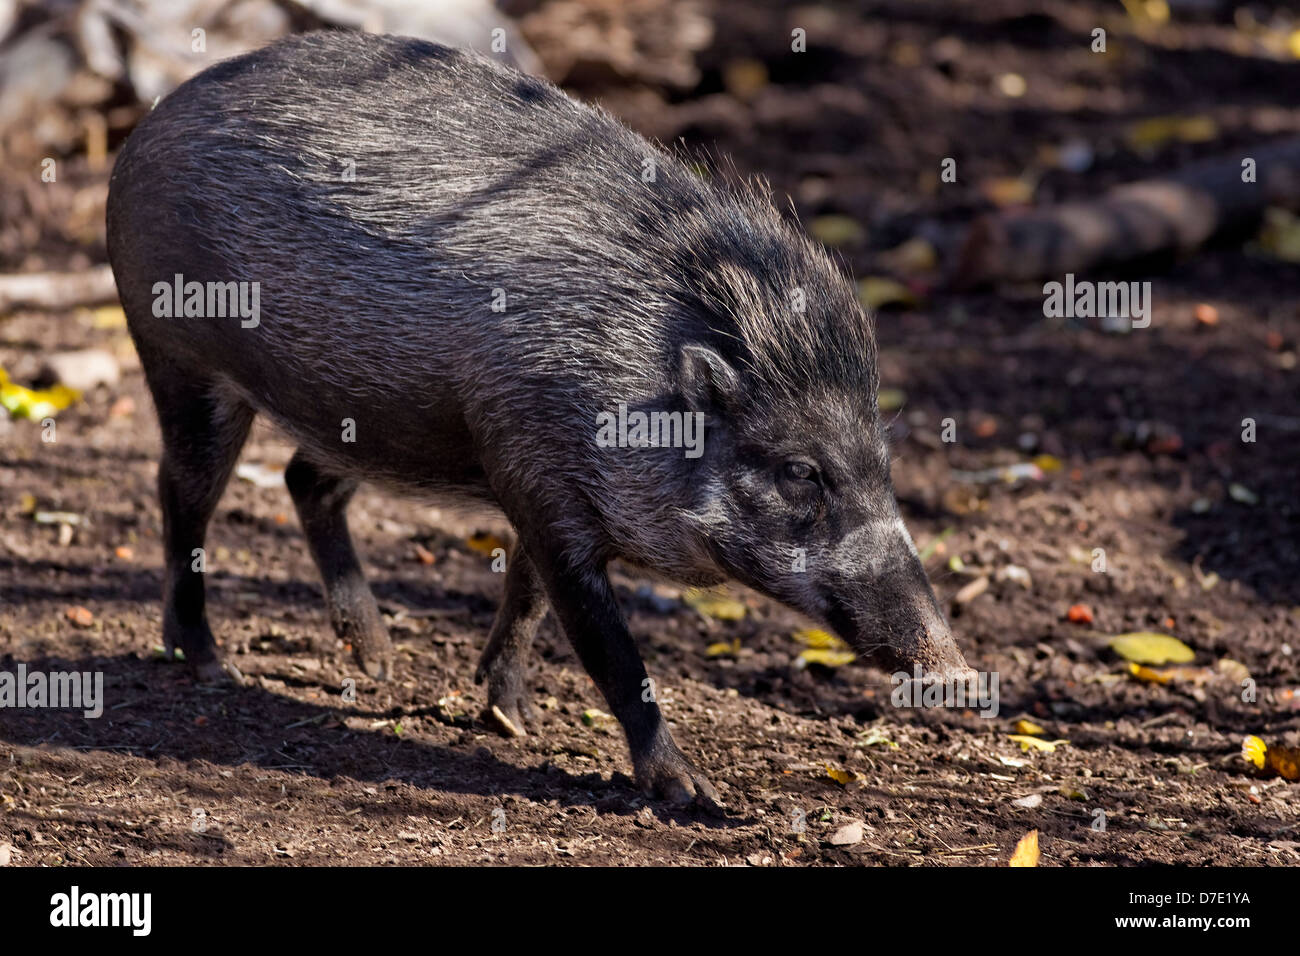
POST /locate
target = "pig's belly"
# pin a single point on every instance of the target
(417, 443)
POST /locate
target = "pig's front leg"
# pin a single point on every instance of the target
(504, 661)
(584, 603)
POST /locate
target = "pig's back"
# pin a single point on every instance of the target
(387, 193)
(382, 190)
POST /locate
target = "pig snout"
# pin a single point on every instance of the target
(891, 617)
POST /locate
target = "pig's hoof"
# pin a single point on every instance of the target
(510, 713)
(375, 666)
(672, 778)
(217, 672)
(514, 726)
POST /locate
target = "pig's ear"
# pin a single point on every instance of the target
(708, 381)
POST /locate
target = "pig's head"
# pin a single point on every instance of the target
(792, 493)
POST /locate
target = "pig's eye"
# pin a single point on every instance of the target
(800, 471)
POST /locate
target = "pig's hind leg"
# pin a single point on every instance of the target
(322, 500)
(503, 664)
(203, 430)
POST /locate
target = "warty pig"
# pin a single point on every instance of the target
(447, 277)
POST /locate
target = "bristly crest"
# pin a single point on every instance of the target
(780, 307)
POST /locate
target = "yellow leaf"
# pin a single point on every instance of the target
(890, 399)
(108, 317)
(1252, 751)
(1145, 647)
(813, 637)
(872, 737)
(1026, 853)
(592, 716)
(484, 543)
(1048, 462)
(1280, 236)
(877, 292)
(1150, 11)
(1028, 743)
(35, 403)
(1293, 43)
(1235, 670)
(1030, 728)
(914, 257)
(723, 649)
(1008, 190)
(1283, 761)
(825, 657)
(1147, 675)
(744, 77)
(715, 603)
(1158, 130)
(842, 777)
(836, 230)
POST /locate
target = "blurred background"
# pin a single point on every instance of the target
(956, 156)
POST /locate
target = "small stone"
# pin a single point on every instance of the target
(848, 834)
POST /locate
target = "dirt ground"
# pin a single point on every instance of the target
(1147, 426)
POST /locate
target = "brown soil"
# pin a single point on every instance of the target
(279, 771)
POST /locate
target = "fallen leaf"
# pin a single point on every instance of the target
(1147, 675)
(1252, 751)
(484, 543)
(592, 716)
(1145, 647)
(744, 77)
(1283, 761)
(715, 603)
(836, 231)
(36, 404)
(842, 777)
(108, 317)
(1280, 236)
(1028, 743)
(1026, 853)
(1234, 670)
(1147, 11)
(815, 637)
(879, 292)
(890, 399)
(871, 738)
(824, 656)
(1030, 728)
(914, 257)
(1008, 191)
(723, 649)
(1154, 132)
(1030, 801)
